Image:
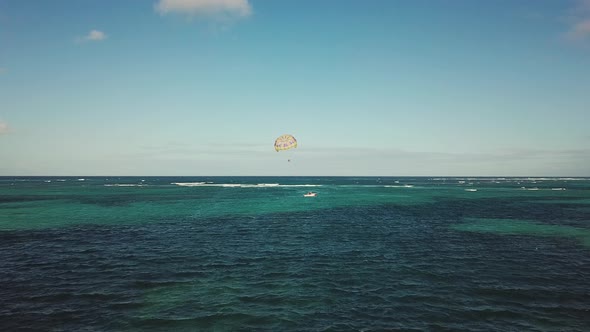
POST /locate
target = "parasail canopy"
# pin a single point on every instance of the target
(285, 142)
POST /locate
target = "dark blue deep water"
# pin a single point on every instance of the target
(243, 254)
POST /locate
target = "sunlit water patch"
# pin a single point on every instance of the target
(524, 227)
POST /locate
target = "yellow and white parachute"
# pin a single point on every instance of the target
(285, 142)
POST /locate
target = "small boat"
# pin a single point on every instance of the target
(310, 194)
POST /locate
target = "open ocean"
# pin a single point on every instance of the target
(251, 253)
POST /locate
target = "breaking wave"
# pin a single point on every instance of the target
(242, 185)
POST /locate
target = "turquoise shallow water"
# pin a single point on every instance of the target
(251, 253)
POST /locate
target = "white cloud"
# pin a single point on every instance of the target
(3, 128)
(95, 35)
(579, 29)
(231, 8)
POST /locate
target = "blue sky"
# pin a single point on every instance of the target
(203, 87)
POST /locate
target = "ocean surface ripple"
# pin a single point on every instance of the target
(83, 256)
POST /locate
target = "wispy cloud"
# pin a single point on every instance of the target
(2, 70)
(3, 128)
(93, 36)
(96, 35)
(579, 29)
(208, 8)
(257, 159)
(346, 161)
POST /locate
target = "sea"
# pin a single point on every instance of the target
(254, 254)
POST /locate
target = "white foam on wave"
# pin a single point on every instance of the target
(124, 185)
(551, 179)
(537, 188)
(228, 185)
(241, 185)
(300, 185)
(259, 185)
(188, 184)
(399, 186)
(514, 179)
(81, 179)
(470, 189)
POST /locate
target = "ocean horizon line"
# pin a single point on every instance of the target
(296, 176)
